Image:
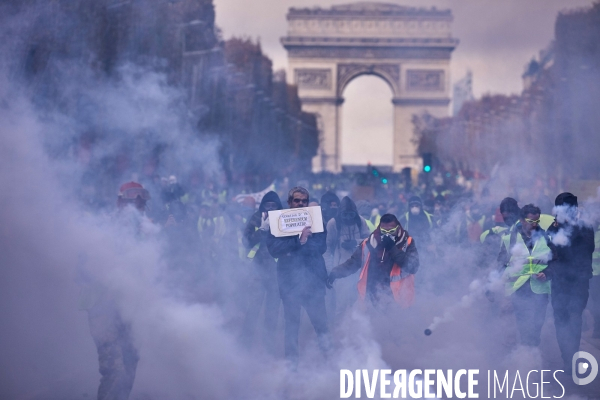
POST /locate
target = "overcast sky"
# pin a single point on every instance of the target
(497, 38)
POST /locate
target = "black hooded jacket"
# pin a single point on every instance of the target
(253, 235)
(326, 200)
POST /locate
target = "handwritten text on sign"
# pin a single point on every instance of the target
(292, 221)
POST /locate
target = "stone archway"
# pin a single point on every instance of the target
(408, 48)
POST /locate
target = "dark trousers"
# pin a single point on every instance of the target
(262, 290)
(530, 312)
(117, 356)
(315, 308)
(594, 305)
(568, 301)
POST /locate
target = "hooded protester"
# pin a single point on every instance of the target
(570, 274)
(330, 204)
(388, 260)
(302, 279)
(344, 234)
(263, 287)
(417, 220)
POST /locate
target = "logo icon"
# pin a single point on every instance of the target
(581, 367)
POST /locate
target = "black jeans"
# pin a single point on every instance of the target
(315, 308)
(530, 312)
(568, 301)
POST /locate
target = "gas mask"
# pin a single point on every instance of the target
(415, 210)
(391, 233)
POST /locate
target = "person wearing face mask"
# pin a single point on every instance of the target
(344, 234)
(525, 253)
(417, 220)
(263, 282)
(388, 260)
(570, 273)
(330, 204)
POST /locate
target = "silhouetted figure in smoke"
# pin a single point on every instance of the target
(440, 210)
(504, 219)
(388, 260)
(302, 278)
(330, 204)
(570, 273)
(117, 355)
(473, 224)
(525, 252)
(263, 286)
(344, 234)
(171, 189)
(418, 221)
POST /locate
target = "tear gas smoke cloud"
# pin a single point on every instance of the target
(48, 239)
(188, 347)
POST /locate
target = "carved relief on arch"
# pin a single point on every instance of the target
(389, 72)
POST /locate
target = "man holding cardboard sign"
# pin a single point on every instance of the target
(301, 271)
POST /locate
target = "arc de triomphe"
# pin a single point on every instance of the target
(409, 48)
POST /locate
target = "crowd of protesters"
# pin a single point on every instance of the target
(382, 248)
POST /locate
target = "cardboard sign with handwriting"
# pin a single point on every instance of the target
(291, 222)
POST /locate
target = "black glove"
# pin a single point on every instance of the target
(387, 242)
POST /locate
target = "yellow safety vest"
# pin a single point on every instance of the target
(426, 214)
(254, 249)
(219, 224)
(377, 220)
(523, 264)
(496, 229)
(545, 221)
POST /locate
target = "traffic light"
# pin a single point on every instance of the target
(378, 175)
(427, 162)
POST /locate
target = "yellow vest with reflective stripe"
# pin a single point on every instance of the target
(254, 249)
(496, 229)
(522, 264)
(408, 220)
(370, 225)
